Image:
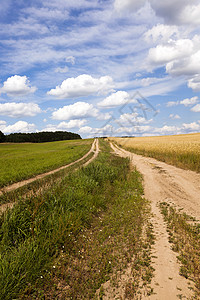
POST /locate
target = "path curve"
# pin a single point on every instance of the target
(94, 148)
(163, 182)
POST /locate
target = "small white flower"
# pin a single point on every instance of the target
(54, 267)
(41, 276)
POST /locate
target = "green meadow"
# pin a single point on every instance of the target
(65, 242)
(22, 161)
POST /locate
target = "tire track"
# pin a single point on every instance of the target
(162, 181)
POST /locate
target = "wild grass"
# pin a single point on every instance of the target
(179, 150)
(66, 242)
(184, 234)
(22, 161)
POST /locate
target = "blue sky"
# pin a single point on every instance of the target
(96, 67)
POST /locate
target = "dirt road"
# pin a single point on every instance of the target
(163, 182)
(94, 149)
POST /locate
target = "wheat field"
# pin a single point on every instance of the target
(180, 150)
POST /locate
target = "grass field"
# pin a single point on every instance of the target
(66, 242)
(22, 161)
(180, 150)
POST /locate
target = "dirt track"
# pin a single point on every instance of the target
(163, 182)
(94, 149)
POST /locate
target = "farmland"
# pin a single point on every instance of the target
(93, 232)
(68, 240)
(180, 150)
(22, 161)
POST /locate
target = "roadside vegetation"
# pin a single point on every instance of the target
(85, 229)
(22, 161)
(180, 150)
(184, 235)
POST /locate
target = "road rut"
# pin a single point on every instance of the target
(163, 182)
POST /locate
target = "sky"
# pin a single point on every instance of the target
(100, 67)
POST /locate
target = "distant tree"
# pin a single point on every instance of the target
(41, 137)
(2, 137)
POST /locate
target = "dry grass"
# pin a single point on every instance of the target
(180, 150)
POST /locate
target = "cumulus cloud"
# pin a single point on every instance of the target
(17, 86)
(194, 83)
(190, 15)
(18, 110)
(162, 33)
(65, 125)
(20, 126)
(196, 108)
(177, 11)
(116, 99)
(189, 65)
(170, 51)
(189, 101)
(191, 126)
(172, 11)
(75, 111)
(2, 125)
(134, 5)
(185, 102)
(132, 119)
(82, 85)
(174, 117)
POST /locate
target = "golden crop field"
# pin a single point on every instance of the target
(180, 150)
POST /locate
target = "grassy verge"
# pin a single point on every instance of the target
(68, 241)
(184, 234)
(22, 161)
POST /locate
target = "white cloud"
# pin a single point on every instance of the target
(20, 126)
(2, 125)
(161, 33)
(190, 65)
(17, 86)
(70, 59)
(72, 124)
(132, 119)
(63, 126)
(190, 15)
(167, 130)
(191, 126)
(86, 130)
(116, 99)
(196, 108)
(170, 51)
(185, 102)
(75, 111)
(175, 11)
(62, 70)
(174, 117)
(128, 4)
(82, 85)
(17, 110)
(172, 103)
(189, 101)
(194, 83)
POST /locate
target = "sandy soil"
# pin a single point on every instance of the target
(94, 149)
(163, 182)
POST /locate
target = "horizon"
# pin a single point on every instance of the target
(100, 67)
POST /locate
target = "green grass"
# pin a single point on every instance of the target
(22, 161)
(69, 240)
(184, 235)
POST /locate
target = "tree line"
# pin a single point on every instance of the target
(38, 137)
